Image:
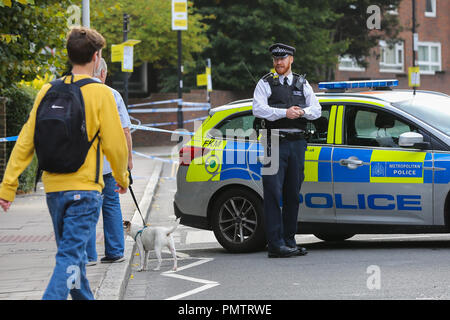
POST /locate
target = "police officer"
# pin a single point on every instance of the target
(282, 102)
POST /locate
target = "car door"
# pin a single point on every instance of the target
(241, 156)
(375, 180)
(316, 195)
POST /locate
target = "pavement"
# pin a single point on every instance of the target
(28, 247)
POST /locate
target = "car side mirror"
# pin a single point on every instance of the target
(413, 139)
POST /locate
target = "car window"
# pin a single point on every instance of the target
(236, 126)
(431, 108)
(372, 127)
(318, 129)
(241, 126)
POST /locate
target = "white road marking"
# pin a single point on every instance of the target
(200, 289)
(207, 283)
(402, 237)
(194, 264)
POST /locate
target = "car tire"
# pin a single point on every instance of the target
(237, 221)
(334, 236)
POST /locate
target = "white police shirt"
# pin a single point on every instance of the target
(261, 108)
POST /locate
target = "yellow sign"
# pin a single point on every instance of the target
(116, 53)
(180, 23)
(124, 53)
(179, 15)
(201, 80)
(414, 76)
(208, 79)
(179, 7)
(131, 42)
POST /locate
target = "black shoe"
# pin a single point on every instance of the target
(282, 252)
(112, 260)
(301, 251)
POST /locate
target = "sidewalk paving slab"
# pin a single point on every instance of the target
(28, 248)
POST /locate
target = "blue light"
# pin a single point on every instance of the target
(358, 84)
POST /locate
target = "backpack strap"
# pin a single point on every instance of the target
(81, 83)
(84, 82)
(38, 177)
(97, 170)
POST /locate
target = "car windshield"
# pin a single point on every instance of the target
(432, 109)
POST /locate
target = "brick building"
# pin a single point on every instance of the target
(433, 55)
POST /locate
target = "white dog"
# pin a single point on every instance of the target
(152, 238)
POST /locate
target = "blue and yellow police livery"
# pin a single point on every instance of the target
(378, 161)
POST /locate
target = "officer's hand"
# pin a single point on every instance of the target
(294, 112)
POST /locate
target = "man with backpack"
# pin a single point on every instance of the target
(73, 122)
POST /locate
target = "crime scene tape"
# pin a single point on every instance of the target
(168, 110)
(154, 158)
(179, 101)
(7, 139)
(140, 127)
(154, 103)
(160, 124)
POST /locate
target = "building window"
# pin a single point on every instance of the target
(430, 8)
(391, 57)
(392, 9)
(429, 59)
(348, 63)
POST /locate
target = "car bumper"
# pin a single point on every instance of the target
(191, 220)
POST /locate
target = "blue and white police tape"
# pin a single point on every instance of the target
(178, 132)
(7, 139)
(154, 158)
(162, 110)
(154, 103)
(160, 124)
(196, 104)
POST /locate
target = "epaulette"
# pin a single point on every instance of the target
(267, 76)
(272, 78)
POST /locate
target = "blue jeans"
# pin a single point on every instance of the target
(112, 223)
(74, 215)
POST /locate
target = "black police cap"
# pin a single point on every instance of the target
(280, 50)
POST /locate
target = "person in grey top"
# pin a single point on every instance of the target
(111, 211)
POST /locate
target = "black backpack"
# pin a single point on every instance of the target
(60, 138)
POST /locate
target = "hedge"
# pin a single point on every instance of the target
(18, 106)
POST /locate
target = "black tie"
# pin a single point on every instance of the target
(285, 81)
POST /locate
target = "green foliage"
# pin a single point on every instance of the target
(150, 22)
(321, 30)
(19, 103)
(26, 29)
(352, 26)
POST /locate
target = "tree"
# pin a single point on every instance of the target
(352, 26)
(321, 30)
(150, 22)
(32, 39)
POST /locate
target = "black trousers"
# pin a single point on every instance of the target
(281, 193)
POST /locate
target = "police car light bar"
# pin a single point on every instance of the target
(358, 84)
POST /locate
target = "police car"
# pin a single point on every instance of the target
(378, 161)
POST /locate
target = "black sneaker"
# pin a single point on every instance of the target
(112, 260)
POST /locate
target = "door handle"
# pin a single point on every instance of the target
(351, 163)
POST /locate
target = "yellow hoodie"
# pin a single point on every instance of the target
(101, 114)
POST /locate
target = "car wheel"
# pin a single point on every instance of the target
(237, 221)
(333, 236)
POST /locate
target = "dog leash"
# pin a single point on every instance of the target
(134, 198)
